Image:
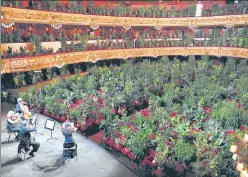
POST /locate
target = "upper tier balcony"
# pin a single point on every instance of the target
(57, 19)
(60, 59)
(37, 53)
(150, 9)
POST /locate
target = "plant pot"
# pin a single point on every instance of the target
(83, 128)
(69, 119)
(62, 119)
(78, 125)
(57, 117)
(53, 115)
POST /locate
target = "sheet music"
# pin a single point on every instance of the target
(72, 124)
(34, 119)
(50, 124)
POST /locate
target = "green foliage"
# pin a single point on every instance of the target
(28, 96)
(227, 114)
(36, 40)
(184, 151)
(75, 113)
(166, 87)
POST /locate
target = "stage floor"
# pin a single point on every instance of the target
(93, 161)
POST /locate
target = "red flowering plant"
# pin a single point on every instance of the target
(182, 127)
(86, 109)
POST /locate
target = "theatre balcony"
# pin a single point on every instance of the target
(154, 88)
(42, 35)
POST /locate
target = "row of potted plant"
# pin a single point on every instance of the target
(215, 38)
(15, 36)
(166, 114)
(123, 10)
(23, 79)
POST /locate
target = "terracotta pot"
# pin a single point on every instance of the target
(78, 125)
(53, 115)
(82, 128)
(57, 117)
(62, 118)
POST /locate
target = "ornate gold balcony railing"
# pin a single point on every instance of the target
(46, 17)
(57, 60)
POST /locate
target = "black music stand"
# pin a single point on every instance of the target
(50, 125)
(34, 122)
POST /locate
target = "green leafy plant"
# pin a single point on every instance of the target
(36, 41)
(184, 151)
(75, 114)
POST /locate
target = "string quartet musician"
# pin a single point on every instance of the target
(22, 108)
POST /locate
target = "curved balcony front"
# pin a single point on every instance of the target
(56, 60)
(46, 17)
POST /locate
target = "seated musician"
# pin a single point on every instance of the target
(25, 136)
(19, 106)
(27, 114)
(13, 121)
(22, 108)
(67, 131)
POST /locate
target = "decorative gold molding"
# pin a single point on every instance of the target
(45, 17)
(48, 61)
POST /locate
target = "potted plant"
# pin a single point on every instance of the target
(161, 151)
(74, 114)
(184, 151)
(63, 112)
(164, 12)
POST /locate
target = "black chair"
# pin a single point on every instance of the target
(12, 133)
(22, 148)
(69, 151)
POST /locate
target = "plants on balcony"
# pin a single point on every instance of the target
(172, 12)
(50, 5)
(30, 48)
(191, 10)
(36, 41)
(107, 9)
(9, 53)
(90, 6)
(100, 10)
(75, 7)
(216, 10)
(229, 38)
(141, 12)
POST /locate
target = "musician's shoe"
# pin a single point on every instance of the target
(31, 154)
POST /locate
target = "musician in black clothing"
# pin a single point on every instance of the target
(26, 139)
